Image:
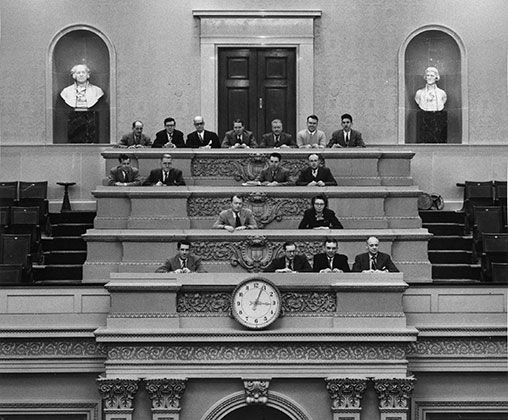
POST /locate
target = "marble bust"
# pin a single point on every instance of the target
(431, 98)
(81, 94)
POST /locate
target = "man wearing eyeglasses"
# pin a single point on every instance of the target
(170, 137)
(201, 138)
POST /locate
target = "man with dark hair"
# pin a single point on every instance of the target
(315, 175)
(183, 261)
(236, 217)
(165, 175)
(291, 262)
(311, 136)
(170, 137)
(330, 261)
(136, 138)
(347, 137)
(373, 260)
(201, 138)
(124, 175)
(275, 174)
(239, 137)
(277, 138)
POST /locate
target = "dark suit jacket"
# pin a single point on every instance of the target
(324, 174)
(300, 264)
(281, 176)
(208, 137)
(339, 261)
(384, 262)
(161, 138)
(227, 218)
(172, 264)
(355, 139)
(268, 140)
(175, 177)
(247, 139)
(129, 140)
(329, 220)
(131, 176)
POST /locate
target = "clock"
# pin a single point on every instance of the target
(256, 303)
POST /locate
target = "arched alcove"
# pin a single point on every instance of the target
(81, 44)
(438, 47)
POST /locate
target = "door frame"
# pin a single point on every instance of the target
(256, 28)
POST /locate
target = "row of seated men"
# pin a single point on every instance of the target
(329, 261)
(274, 175)
(240, 137)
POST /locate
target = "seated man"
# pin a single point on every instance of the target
(290, 262)
(236, 217)
(330, 261)
(373, 260)
(136, 138)
(347, 137)
(124, 175)
(311, 136)
(165, 175)
(183, 262)
(315, 175)
(277, 138)
(275, 174)
(239, 137)
(169, 138)
(201, 138)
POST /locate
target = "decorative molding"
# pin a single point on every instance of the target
(189, 302)
(51, 348)
(165, 393)
(458, 347)
(423, 407)
(394, 393)
(370, 315)
(88, 409)
(117, 394)
(282, 352)
(256, 391)
(309, 302)
(345, 393)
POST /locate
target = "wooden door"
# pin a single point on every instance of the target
(257, 85)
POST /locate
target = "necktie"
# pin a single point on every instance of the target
(238, 221)
(374, 262)
(314, 173)
(290, 264)
(347, 139)
(239, 139)
(124, 176)
(277, 140)
(330, 263)
(183, 263)
(200, 135)
(165, 176)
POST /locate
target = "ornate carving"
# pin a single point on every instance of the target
(458, 347)
(345, 392)
(309, 302)
(117, 393)
(260, 351)
(256, 391)
(394, 393)
(52, 348)
(165, 393)
(207, 206)
(204, 302)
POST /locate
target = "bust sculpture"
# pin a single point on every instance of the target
(81, 94)
(431, 98)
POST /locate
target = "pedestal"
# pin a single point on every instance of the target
(66, 204)
(82, 127)
(432, 127)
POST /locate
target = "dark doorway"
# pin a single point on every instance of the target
(256, 412)
(257, 85)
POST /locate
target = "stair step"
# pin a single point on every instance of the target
(450, 257)
(86, 217)
(456, 271)
(451, 242)
(445, 229)
(70, 229)
(440, 216)
(58, 272)
(64, 257)
(69, 243)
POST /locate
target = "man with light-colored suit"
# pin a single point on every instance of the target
(236, 217)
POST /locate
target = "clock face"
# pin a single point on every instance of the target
(256, 303)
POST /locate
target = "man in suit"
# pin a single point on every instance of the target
(136, 138)
(183, 262)
(275, 174)
(170, 137)
(315, 175)
(239, 137)
(124, 175)
(347, 137)
(311, 136)
(165, 175)
(330, 261)
(277, 138)
(373, 260)
(291, 262)
(236, 217)
(201, 138)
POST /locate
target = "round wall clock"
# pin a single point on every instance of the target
(256, 303)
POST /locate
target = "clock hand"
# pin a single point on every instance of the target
(256, 302)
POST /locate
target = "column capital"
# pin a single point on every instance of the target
(166, 393)
(117, 393)
(345, 393)
(256, 390)
(394, 393)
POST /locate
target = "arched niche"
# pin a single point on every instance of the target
(81, 44)
(438, 47)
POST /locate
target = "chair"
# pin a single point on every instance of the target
(10, 273)
(486, 220)
(25, 220)
(495, 250)
(500, 197)
(15, 250)
(5, 213)
(476, 193)
(8, 193)
(33, 194)
(499, 272)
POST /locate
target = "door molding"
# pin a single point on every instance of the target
(256, 28)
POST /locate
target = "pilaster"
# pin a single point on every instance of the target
(394, 397)
(165, 394)
(117, 395)
(346, 395)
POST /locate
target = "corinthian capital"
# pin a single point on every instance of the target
(345, 393)
(394, 393)
(117, 394)
(165, 393)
